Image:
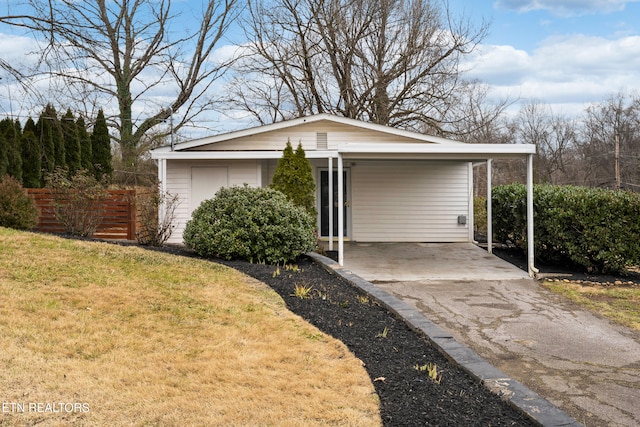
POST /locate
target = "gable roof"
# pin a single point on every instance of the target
(317, 118)
(420, 146)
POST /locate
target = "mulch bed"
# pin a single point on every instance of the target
(390, 351)
(566, 273)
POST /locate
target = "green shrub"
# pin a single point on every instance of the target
(17, 208)
(480, 214)
(255, 224)
(595, 229)
(294, 178)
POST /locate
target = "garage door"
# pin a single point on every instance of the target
(205, 183)
(409, 201)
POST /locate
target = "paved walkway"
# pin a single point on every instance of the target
(584, 364)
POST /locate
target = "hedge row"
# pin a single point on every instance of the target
(594, 229)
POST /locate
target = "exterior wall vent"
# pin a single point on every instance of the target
(321, 141)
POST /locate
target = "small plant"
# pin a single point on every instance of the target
(276, 272)
(154, 229)
(384, 333)
(432, 371)
(292, 267)
(78, 201)
(363, 299)
(323, 295)
(302, 291)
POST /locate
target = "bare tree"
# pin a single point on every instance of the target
(124, 49)
(611, 142)
(392, 62)
(553, 135)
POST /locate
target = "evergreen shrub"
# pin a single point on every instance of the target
(254, 224)
(17, 208)
(294, 178)
(594, 229)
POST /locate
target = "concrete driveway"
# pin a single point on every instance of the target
(582, 363)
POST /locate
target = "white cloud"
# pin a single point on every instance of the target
(564, 7)
(567, 72)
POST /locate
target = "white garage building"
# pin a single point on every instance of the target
(397, 186)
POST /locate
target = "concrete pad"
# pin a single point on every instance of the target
(386, 262)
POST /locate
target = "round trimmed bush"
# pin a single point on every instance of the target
(17, 209)
(254, 224)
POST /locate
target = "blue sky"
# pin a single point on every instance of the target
(564, 53)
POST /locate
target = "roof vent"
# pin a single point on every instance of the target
(321, 138)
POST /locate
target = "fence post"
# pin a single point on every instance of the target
(131, 235)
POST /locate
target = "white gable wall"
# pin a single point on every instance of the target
(337, 134)
(409, 201)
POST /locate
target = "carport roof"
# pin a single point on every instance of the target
(371, 151)
(424, 147)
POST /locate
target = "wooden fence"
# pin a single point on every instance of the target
(118, 222)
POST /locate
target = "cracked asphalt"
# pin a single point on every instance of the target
(580, 362)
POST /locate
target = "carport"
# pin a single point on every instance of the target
(427, 262)
(471, 153)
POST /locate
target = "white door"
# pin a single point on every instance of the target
(205, 183)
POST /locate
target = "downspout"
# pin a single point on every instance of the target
(162, 177)
(530, 246)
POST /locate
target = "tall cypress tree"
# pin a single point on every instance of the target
(306, 187)
(86, 151)
(50, 136)
(14, 135)
(71, 142)
(3, 155)
(31, 156)
(101, 147)
(294, 178)
(11, 132)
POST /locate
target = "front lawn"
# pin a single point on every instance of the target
(97, 334)
(618, 300)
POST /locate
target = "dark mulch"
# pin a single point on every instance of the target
(408, 397)
(518, 258)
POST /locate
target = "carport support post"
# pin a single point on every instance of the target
(489, 210)
(340, 212)
(330, 166)
(530, 247)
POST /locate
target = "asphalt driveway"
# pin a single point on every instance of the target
(580, 362)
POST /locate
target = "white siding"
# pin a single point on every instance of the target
(409, 201)
(179, 182)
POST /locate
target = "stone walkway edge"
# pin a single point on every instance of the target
(517, 394)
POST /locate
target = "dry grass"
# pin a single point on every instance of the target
(620, 303)
(142, 338)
